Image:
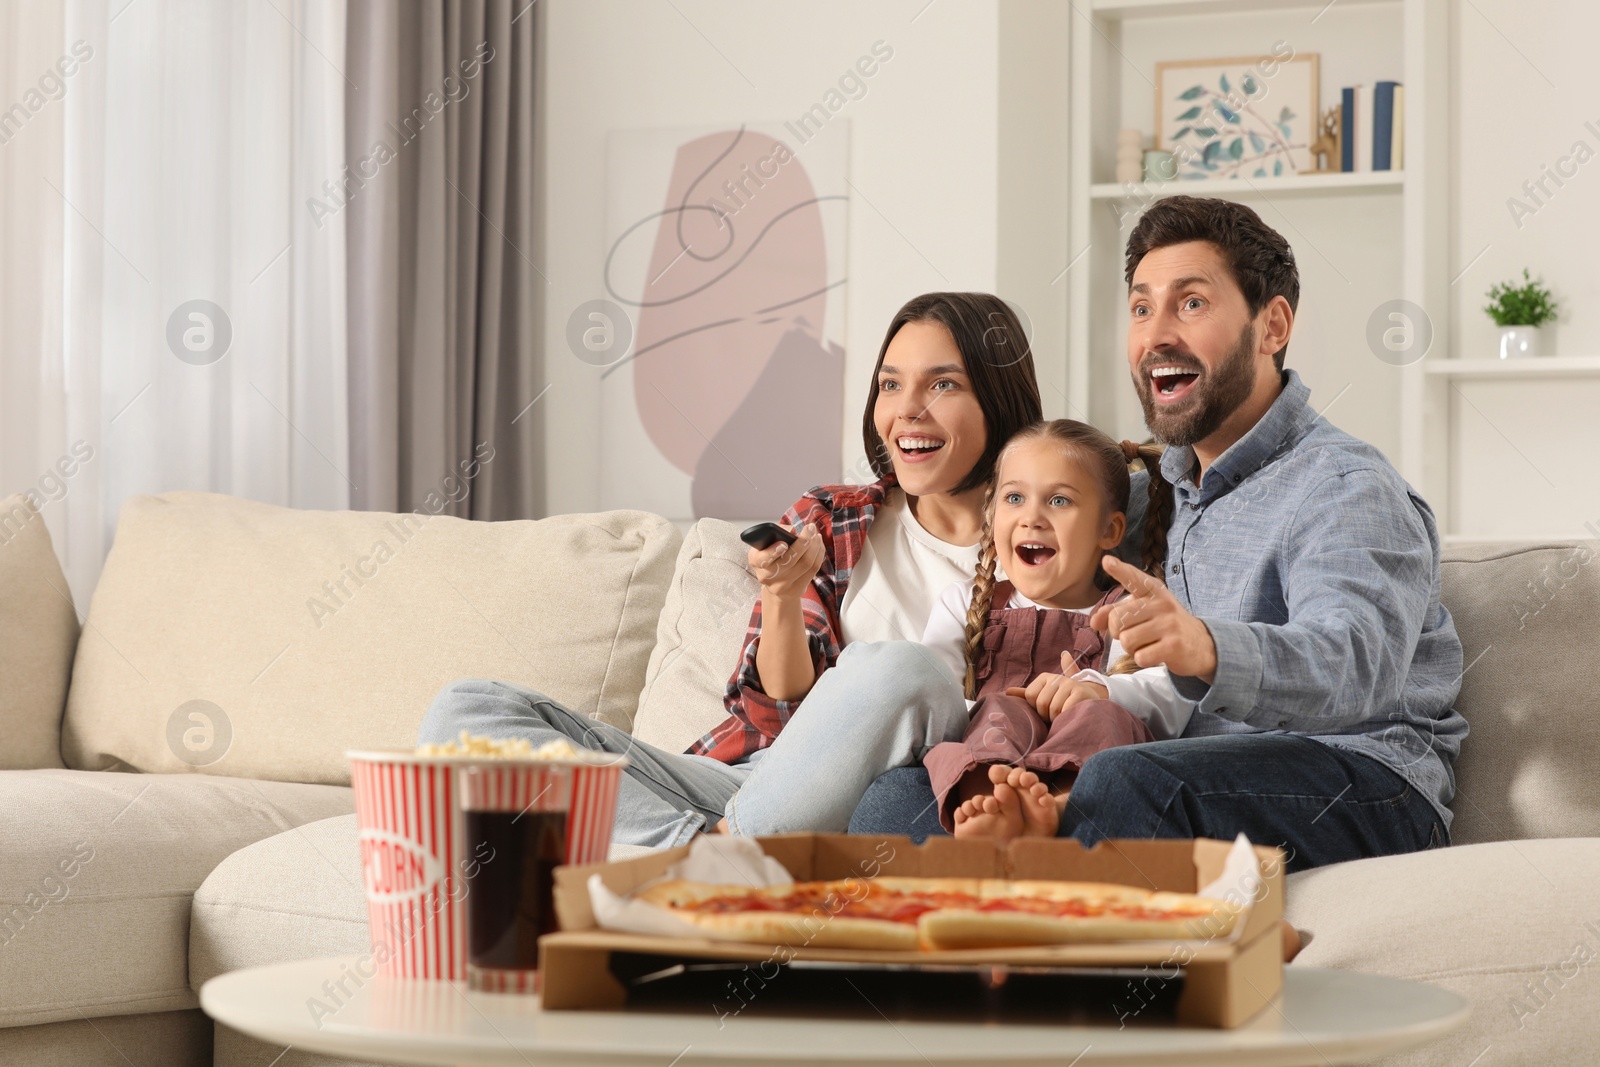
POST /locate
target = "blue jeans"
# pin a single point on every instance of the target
(880, 706)
(1318, 803)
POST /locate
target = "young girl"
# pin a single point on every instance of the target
(1047, 691)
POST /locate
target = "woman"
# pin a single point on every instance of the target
(833, 688)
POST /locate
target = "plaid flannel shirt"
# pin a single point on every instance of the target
(842, 514)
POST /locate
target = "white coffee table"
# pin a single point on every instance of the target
(1324, 1017)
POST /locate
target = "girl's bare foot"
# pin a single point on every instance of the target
(998, 815)
(1040, 813)
(1019, 806)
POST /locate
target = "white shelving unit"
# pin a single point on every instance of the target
(1360, 238)
(1287, 185)
(1542, 367)
(1120, 9)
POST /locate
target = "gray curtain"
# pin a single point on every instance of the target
(443, 294)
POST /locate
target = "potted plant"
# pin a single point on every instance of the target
(1519, 311)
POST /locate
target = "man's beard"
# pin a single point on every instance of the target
(1214, 396)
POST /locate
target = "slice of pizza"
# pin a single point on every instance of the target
(1020, 913)
(824, 914)
(939, 913)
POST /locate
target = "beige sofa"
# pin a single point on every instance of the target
(232, 651)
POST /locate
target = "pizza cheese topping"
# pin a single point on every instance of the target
(942, 912)
(805, 897)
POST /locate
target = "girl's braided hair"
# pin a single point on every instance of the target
(1109, 461)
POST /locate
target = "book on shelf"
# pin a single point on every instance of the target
(1383, 125)
(1372, 127)
(1347, 128)
(1397, 140)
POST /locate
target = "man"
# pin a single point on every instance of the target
(1300, 609)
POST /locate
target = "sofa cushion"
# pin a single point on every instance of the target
(233, 1049)
(263, 642)
(1527, 615)
(96, 877)
(41, 631)
(1510, 925)
(699, 638)
(150, 1039)
(287, 897)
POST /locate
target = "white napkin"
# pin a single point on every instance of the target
(1239, 883)
(715, 858)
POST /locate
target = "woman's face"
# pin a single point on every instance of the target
(926, 412)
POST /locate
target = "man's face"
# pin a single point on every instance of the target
(1191, 342)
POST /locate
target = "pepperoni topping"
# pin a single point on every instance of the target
(908, 907)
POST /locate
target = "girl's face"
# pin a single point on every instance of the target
(1051, 524)
(926, 411)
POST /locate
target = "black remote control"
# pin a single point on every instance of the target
(764, 534)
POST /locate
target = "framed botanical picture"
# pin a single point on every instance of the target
(1254, 117)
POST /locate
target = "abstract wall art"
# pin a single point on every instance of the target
(726, 248)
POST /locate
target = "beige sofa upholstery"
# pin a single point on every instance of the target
(1529, 620)
(1502, 917)
(41, 631)
(1506, 917)
(308, 633)
(101, 867)
(232, 651)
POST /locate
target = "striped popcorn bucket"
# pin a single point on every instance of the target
(416, 863)
(521, 820)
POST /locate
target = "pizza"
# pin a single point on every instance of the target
(940, 913)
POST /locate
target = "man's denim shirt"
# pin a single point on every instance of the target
(1316, 569)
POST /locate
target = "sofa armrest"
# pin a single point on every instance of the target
(40, 634)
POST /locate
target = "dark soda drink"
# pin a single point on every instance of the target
(510, 898)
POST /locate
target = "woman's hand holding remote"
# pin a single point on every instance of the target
(783, 658)
(785, 571)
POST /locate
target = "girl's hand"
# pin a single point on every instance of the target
(783, 570)
(1052, 694)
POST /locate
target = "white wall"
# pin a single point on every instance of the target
(1526, 82)
(1034, 249)
(923, 151)
(965, 198)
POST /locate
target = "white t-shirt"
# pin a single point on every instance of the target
(899, 575)
(1147, 693)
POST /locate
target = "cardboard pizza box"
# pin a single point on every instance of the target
(1223, 982)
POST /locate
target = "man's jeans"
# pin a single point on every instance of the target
(1318, 803)
(880, 706)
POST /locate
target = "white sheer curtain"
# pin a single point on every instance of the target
(31, 410)
(195, 135)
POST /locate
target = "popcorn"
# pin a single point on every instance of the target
(502, 748)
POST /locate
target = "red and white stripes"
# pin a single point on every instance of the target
(501, 980)
(406, 815)
(412, 853)
(594, 811)
(587, 792)
(501, 786)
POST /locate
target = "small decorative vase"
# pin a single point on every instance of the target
(1159, 166)
(1519, 342)
(1130, 150)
